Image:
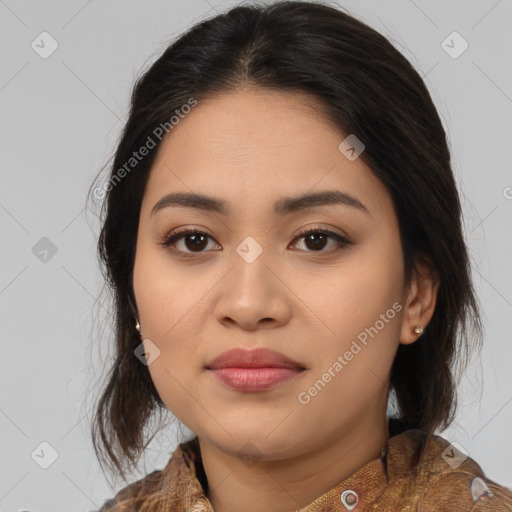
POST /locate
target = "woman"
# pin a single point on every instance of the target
(282, 235)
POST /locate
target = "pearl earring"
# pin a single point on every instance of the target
(417, 329)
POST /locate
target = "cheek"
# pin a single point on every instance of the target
(166, 302)
(164, 294)
(352, 360)
(355, 294)
(359, 305)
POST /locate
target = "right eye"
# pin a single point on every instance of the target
(196, 240)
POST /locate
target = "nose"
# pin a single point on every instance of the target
(253, 294)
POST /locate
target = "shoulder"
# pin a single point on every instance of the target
(131, 497)
(163, 489)
(442, 477)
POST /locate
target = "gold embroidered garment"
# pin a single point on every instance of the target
(419, 472)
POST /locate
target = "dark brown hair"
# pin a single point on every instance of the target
(369, 89)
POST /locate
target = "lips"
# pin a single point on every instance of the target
(256, 358)
(254, 370)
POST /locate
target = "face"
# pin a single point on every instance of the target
(251, 280)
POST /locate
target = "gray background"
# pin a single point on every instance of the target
(60, 118)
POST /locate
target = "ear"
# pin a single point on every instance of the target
(420, 302)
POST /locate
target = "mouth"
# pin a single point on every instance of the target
(255, 358)
(254, 370)
(255, 379)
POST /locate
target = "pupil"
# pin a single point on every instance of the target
(196, 240)
(311, 237)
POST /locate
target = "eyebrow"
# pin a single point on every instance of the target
(281, 207)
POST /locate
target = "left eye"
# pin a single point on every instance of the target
(314, 238)
(318, 238)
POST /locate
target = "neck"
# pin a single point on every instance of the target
(289, 484)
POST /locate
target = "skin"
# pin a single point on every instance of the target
(251, 148)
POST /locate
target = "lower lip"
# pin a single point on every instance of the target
(255, 379)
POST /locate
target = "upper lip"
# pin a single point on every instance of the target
(256, 358)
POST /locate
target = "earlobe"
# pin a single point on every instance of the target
(417, 329)
(420, 305)
(406, 338)
(137, 328)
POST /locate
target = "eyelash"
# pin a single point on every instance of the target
(182, 233)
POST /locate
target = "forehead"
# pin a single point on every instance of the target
(252, 147)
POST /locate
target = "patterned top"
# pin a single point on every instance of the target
(418, 472)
